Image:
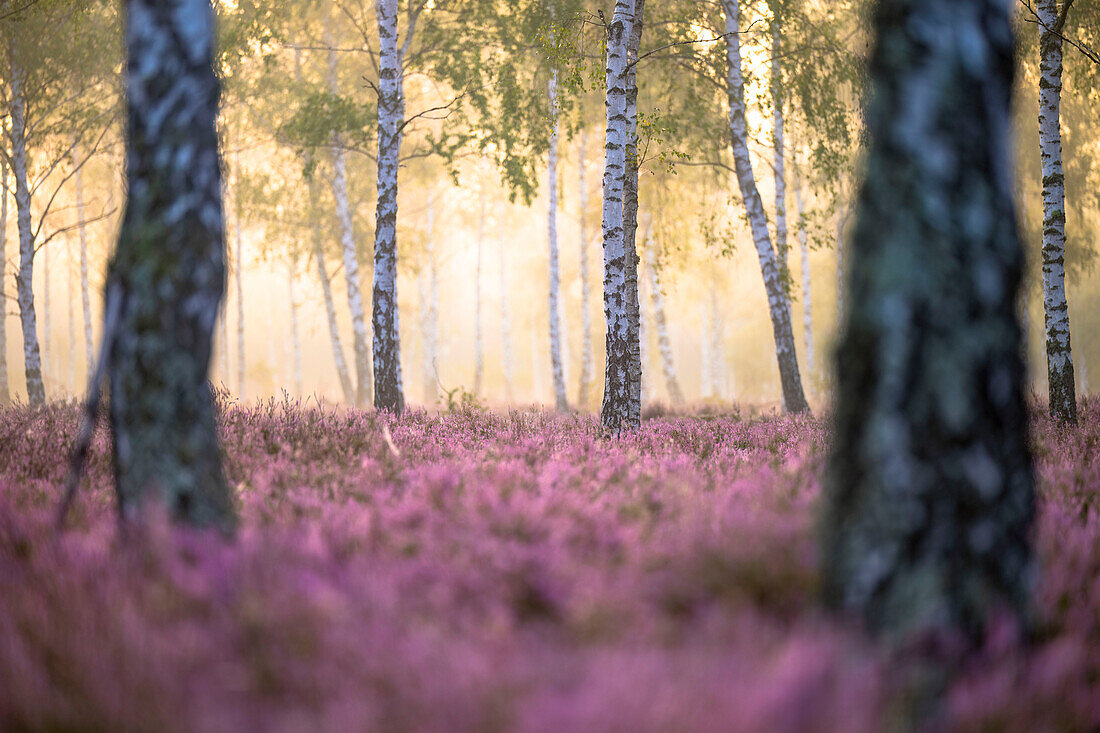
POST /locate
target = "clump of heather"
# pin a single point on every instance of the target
(475, 571)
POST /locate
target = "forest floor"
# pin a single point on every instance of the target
(474, 571)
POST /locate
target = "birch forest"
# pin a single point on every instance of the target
(549, 365)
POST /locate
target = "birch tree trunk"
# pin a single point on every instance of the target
(505, 324)
(167, 276)
(668, 366)
(5, 392)
(69, 297)
(716, 359)
(238, 277)
(391, 114)
(776, 90)
(587, 368)
(807, 285)
(794, 400)
(479, 353)
(24, 279)
(429, 311)
(85, 291)
(929, 495)
(645, 386)
(49, 369)
(322, 270)
(360, 340)
(560, 400)
(1060, 384)
(621, 409)
(295, 339)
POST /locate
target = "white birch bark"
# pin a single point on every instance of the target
(660, 320)
(5, 393)
(69, 298)
(85, 291)
(429, 311)
(778, 306)
(807, 285)
(238, 280)
(505, 323)
(1063, 401)
(322, 270)
(479, 353)
(560, 400)
(295, 339)
(360, 340)
(780, 167)
(622, 379)
(24, 280)
(587, 366)
(391, 114)
(49, 369)
(645, 386)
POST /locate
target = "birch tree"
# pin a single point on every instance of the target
(929, 496)
(621, 408)
(388, 393)
(778, 304)
(554, 307)
(1060, 380)
(479, 341)
(587, 366)
(660, 322)
(82, 230)
(505, 323)
(807, 282)
(167, 276)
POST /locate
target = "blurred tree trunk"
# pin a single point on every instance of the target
(69, 298)
(778, 302)
(505, 324)
(668, 366)
(479, 341)
(295, 339)
(429, 311)
(807, 286)
(363, 383)
(1063, 401)
(929, 493)
(560, 400)
(621, 409)
(85, 290)
(391, 114)
(49, 369)
(24, 279)
(584, 392)
(238, 279)
(5, 392)
(775, 84)
(167, 276)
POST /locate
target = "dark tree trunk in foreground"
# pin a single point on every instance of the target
(929, 493)
(167, 276)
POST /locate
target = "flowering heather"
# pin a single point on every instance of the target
(494, 572)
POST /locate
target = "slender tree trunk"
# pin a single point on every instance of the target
(630, 214)
(479, 349)
(238, 280)
(664, 343)
(776, 90)
(295, 339)
(167, 276)
(560, 400)
(807, 285)
(716, 358)
(85, 290)
(1063, 401)
(929, 497)
(69, 298)
(621, 409)
(391, 115)
(429, 311)
(5, 392)
(322, 270)
(587, 367)
(778, 304)
(24, 280)
(360, 340)
(505, 323)
(49, 369)
(645, 386)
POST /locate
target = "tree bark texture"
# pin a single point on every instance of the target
(388, 394)
(554, 307)
(929, 494)
(167, 276)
